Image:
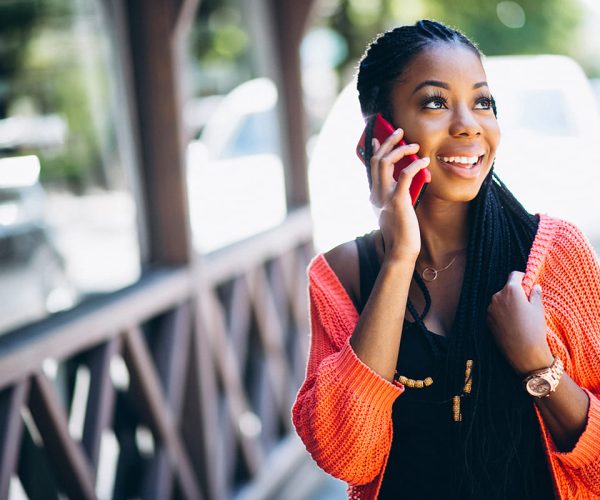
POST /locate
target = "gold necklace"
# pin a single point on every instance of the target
(430, 274)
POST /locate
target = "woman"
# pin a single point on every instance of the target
(424, 331)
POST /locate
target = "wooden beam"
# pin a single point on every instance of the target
(271, 331)
(24, 350)
(219, 266)
(100, 405)
(11, 428)
(156, 72)
(171, 353)
(224, 354)
(200, 413)
(69, 462)
(186, 13)
(289, 23)
(153, 406)
(171, 348)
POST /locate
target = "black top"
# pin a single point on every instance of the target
(419, 464)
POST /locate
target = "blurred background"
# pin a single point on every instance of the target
(168, 168)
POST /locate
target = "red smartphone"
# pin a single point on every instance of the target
(382, 129)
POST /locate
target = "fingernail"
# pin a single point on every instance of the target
(397, 131)
(426, 160)
(373, 143)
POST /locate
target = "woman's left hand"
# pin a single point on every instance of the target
(519, 327)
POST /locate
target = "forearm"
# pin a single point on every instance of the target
(565, 413)
(376, 339)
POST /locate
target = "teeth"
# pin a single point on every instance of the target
(465, 160)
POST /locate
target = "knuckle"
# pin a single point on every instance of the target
(375, 200)
(405, 172)
(384, 163)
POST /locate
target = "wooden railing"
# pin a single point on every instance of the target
(179, 386)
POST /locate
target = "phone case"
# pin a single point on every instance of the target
(382, 129)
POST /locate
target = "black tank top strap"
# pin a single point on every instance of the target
(368, 264)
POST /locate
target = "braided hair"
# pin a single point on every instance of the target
(494, 441)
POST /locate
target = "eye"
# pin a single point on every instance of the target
(434, 101)
(483, 102)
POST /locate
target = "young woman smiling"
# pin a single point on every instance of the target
(438, 368)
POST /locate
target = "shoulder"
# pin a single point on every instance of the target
(343, 260)
(555, 237)
(332, 287)
(564, 240)
(562, 253)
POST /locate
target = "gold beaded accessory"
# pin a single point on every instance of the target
(456, 414)
(415, 384)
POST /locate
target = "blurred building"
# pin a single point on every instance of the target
(154, 237)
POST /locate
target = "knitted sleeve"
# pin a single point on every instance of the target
(572, 294)
(343, 410)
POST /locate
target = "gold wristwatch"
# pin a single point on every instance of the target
(543, 382)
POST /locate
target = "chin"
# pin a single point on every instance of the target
(464, 195)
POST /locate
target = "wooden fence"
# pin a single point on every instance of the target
(179, 386)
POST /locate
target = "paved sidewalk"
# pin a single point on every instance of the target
(311, 483)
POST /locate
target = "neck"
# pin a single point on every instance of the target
(444, 231)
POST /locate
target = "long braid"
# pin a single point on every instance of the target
(501, 234)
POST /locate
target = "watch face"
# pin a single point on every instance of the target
(538, 386)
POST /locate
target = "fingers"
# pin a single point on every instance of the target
(382, 163)
(514, 284)
(375, 171)
(391, 141)
(406, 174)
(515, 278)
(388, 152)
(536, 294)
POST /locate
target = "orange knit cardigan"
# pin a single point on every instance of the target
(343, 410)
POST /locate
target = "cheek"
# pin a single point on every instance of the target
(425, 132)
(492, 132)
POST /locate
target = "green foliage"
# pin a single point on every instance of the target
(56, 72)
(545, 26)
(550, 26)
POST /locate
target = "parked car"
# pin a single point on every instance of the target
(548, 155)
(235, 176)
(33, 280)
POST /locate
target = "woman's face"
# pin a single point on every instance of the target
(443, 103)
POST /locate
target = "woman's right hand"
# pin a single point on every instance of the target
(397, 220)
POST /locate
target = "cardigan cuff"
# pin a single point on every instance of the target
(362, 380)
(587, 448)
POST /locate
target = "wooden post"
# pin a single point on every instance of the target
(155, 28)
(289, 20)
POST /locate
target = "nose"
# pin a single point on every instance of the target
(465, 123)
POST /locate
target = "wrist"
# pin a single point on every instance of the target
(536, 361)
(542, 383)
(400, 260)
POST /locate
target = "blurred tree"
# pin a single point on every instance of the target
(51, 63)
(16, 22)
(508, 27)
(498, 27)
(220, 46)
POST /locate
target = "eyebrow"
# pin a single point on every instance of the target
(444, 85)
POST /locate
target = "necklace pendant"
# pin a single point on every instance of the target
(429, 274)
